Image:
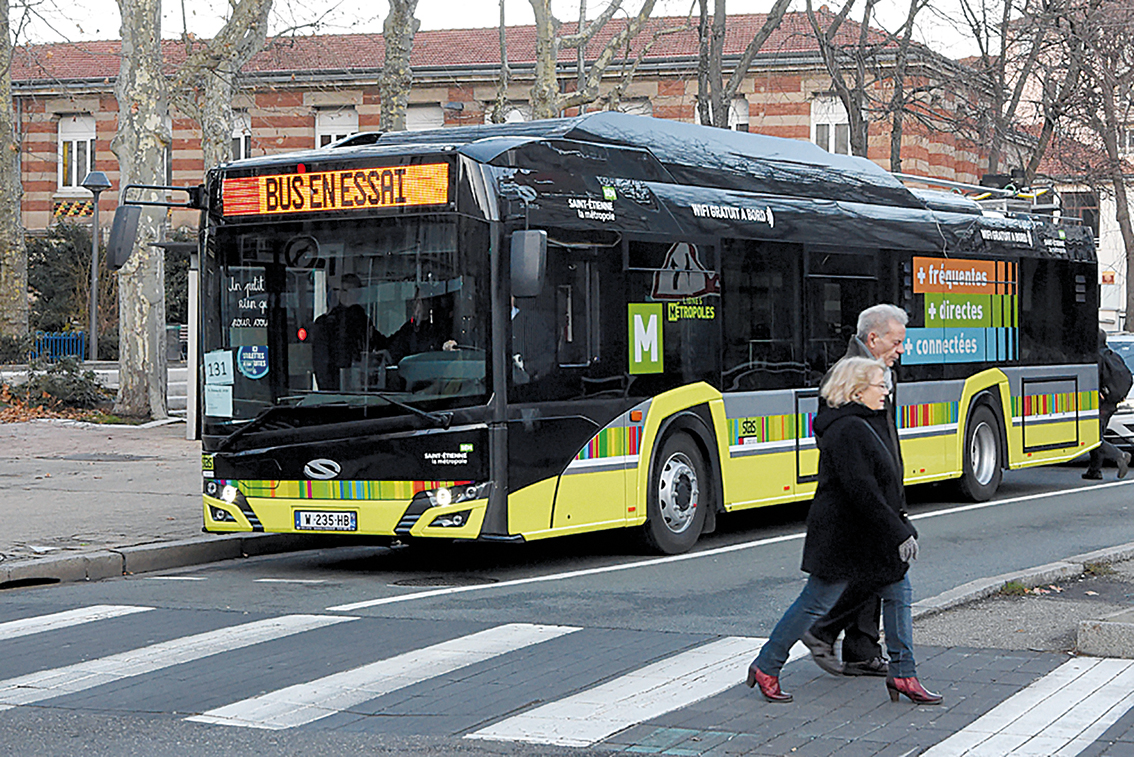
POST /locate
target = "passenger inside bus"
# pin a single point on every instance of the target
(342, 334)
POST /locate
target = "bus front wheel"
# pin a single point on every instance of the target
(982, 470)
(678, 496)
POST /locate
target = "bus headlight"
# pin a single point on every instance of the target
(228, 493)
(444, 496)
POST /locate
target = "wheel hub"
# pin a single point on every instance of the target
(678, 492)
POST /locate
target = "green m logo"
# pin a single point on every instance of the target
(646, 349)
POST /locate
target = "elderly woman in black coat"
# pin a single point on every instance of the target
(857, 534)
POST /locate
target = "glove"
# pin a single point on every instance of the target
(907, 550)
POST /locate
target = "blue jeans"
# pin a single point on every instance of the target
(819, 596)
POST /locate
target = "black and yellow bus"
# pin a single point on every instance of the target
(514, 332)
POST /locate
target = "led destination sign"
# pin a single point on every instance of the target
(347, 189)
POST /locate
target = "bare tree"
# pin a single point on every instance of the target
(499, 110)
(1105, 31)
(714, 95)
(142, 136)
(397, 77)
(13, 253)
(546, 99)
(204, 86)
(838, 59)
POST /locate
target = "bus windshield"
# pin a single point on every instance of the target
(377, 313)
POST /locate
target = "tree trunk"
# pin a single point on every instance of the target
(720, 106)
(397, 77)
(545, 89)
(13, 253)
(704, 83)
(499, 110)
(139, 145)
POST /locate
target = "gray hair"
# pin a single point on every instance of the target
(877, 319)
(849, 378)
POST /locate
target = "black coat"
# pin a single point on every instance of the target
(855, 523)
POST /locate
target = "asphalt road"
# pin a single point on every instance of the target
(606, 610)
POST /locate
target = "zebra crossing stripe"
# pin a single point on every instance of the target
(14, 629)
(47, 684)
(1061, 714)
(307, 702)
(590, 716)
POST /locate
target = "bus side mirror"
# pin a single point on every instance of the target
(529, 260)
(122, 235)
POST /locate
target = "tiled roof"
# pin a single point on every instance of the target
(432, 49)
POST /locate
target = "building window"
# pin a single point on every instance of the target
(76, 150)
(1126, 141)
(737, 114)
(636, 107)
(514, 114)
(167, 153)
(241, 135)
(830, 126)
(422, 117)
(333, 124)
(1081, 205)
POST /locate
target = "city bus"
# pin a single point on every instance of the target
(508, 333)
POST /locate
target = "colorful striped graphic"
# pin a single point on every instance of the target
(613, 441)
(342, 490)
(770, 428)
(1036, 405)
(928, 414)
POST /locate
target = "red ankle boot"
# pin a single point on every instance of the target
(769, 685)
(913, 689)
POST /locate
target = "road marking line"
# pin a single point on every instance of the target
(351, 607)
(28, 626)
(307, 702)
(590, 716)
(47, 684)
(174, 578)
(1061, 714)
(290, 580)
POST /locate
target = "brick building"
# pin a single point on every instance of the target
(304, 92)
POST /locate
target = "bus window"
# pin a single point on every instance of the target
(840, 285)
(762, 315)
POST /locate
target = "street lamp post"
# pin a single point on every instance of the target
(97, 183)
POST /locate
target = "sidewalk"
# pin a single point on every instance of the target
(85, 501)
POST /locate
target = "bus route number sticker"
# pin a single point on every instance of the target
(218, 383)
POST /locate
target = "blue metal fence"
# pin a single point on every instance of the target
(53, 346)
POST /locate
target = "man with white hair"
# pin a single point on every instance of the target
(881, 335)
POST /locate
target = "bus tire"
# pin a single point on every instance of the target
(678, 497)
(981, 467)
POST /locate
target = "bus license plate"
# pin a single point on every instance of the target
(326, 520)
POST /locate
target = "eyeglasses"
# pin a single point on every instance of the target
(881, 386)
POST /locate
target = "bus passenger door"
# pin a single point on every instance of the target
(839, 284)
(563, 434)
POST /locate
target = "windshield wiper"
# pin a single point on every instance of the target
(258, 422)
(443, 419)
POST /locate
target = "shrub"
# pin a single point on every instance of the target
(63, 383)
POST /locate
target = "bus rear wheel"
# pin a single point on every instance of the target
(981, 472)
(678, 497)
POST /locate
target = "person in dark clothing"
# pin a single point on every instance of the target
(880, 335)
(342, 334)
(428, 329)
(1114, 383)
(533, 342)
(857, 532)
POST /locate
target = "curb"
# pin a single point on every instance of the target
(92, 566)
(983, 588)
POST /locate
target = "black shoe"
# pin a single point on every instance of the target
(823, 654)
(875, 667)
(1093, 475)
